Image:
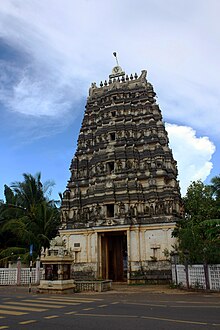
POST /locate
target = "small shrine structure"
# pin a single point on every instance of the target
(56, 275)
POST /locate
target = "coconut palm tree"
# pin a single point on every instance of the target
(28, 216)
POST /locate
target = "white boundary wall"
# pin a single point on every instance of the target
(196, 276)
(10, 276)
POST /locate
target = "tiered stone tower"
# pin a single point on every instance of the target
(123, 199)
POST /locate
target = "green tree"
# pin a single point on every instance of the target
(215, 184)
(27, 216)
(199, 232)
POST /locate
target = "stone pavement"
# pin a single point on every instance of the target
(154, 288)
(157, 288)
(13, 289)
(116, 288)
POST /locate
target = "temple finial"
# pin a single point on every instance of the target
(117, 70)
(115, 55)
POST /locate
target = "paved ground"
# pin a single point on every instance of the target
(123, 287)
(124, 308)
(116, 288)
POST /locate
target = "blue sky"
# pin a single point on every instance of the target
(51, 51)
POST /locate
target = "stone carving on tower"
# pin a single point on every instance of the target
(123, 171)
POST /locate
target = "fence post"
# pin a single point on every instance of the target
(186, 255)
(18, 280)
(30, 276)
(206, 273)
(38, 270)
(174, 260)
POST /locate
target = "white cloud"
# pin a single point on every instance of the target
(193, 154)
(71, 45)
(36, 90)
(65, 45)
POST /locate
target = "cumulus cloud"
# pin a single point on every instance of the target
(64, 46)
(193, 154)
(35, 89)
(40, 105)
(39, 96)
(71, 45)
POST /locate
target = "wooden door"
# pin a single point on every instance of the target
(113, 250)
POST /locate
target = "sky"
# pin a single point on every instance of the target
(51, 51)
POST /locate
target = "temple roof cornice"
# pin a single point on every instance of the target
(117, 83)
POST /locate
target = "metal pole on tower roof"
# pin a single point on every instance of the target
(115, 55)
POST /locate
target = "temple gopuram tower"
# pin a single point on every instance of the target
(123, 200)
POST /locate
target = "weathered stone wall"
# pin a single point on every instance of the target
(146, 254)
(84, 271)
(151, 272)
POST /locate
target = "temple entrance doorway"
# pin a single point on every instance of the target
(114, 256)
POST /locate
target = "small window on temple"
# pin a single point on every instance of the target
(110, 167)
(76, 245)
(112, 136)
(110, 210)
(113, 113)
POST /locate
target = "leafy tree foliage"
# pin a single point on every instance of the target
(27, 217)
(216, 189)
(199, 232)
